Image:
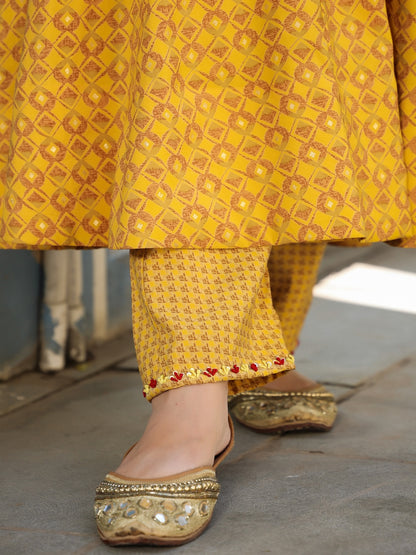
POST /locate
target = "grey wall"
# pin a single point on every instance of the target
(20, 283)
(20, 296)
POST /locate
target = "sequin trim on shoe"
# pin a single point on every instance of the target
(268, 411)
(166, 511)
(173, 511)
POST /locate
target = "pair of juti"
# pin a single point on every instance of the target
(203, 136)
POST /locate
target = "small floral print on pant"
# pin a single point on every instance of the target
(204, 316)
(293, 271)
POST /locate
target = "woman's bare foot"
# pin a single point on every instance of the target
(292, 381)
(187, 428)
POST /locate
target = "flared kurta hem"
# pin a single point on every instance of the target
(206, 123)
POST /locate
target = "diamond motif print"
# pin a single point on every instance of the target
(206, 123)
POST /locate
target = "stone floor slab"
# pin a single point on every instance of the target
(320, 494)
(346, 344)
(317, 504)
(395, 258)
(42, 542)
(377, 422)
(128, 364)
(336, 258)
(32, 386)
(60, 448)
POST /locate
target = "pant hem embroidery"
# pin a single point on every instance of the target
(217, 374)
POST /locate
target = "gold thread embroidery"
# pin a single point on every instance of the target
(222, 370)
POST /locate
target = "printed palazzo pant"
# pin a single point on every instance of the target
(202, 316)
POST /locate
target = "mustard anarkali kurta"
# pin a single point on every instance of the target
(206, 123)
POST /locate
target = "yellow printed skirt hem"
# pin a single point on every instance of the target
(153, 124)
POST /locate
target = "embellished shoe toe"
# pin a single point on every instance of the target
(170, 511)
(268, 411)
(166, 511)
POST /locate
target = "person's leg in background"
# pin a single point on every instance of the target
(204, 325)
(293, 401)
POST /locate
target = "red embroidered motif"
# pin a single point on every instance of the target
(279, 361)
(208, 372)
(144, 393)
(153, 383)
(235, 369)
(254, 367)
(176, 377)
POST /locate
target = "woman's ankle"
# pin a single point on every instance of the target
(292, 381)
(201, 408)
(187, 428)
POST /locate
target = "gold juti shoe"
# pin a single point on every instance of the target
(268, 411)
(164, 511)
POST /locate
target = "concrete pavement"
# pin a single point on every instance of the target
(348, 492)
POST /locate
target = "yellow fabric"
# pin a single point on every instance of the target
(205, 315)
(205, 123)
(293, 271)
(403, 18)
(202, 316)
